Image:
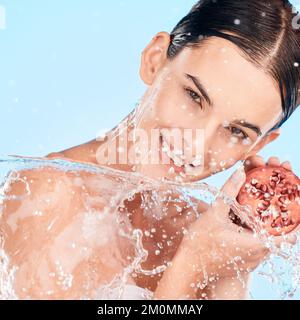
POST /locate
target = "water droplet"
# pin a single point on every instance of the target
(246, 142)
(234, 140)
(38, 213)
(160, 245)
(171, 170)
(223, 163)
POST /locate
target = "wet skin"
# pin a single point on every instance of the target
(253, 98)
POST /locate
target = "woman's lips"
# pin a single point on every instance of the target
(175, 161)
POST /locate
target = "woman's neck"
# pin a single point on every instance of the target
(90, 151)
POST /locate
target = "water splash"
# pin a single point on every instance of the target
(102, 235)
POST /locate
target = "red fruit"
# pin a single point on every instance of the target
(273, 193)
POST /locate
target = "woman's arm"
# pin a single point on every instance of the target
(177, 279)
(209, 251)
(58, 247)
(231, 288)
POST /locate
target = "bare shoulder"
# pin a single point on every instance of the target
(45, 187)
(51, 237)
(32, 199)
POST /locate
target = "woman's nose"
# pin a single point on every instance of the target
(203, 140)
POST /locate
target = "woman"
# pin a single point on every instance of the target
(219, 88)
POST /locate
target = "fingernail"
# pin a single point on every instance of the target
(242, 172)
(239, 175)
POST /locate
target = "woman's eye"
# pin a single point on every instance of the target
(237, 132)
(194, 96)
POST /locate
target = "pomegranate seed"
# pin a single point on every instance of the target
(280, 222)
(280, 185)
(263, 188)
(272, 184)
(258, 185)
(257, 194)
(262, 196)
(291, 197)
(266, 203)
(254, 182)
(282, 199)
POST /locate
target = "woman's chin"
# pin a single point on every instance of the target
(167, 172)
(154, 171)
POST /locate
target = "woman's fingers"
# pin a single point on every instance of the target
(254, 162)
(287, 165)
(245, 241)
(290, 238)
(201, 205)
(273, 161)
(258, 161)
(230, 189)
(233, 185)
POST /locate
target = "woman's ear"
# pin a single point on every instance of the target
(270, 137)
(154, 57)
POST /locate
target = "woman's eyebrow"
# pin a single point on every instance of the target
(200, 87)
(251, 126)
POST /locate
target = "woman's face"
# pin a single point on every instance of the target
(212, 91)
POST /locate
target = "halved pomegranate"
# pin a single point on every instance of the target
(273, 193)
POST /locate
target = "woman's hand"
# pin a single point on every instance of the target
(258, 161)
(233, 287)
(216, 250)
(213, 248)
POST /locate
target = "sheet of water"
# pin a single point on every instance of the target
(58, 253)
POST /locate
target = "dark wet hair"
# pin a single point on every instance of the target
(267, 32)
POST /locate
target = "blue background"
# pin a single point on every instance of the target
(69, 69)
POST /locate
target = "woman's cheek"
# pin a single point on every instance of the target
(173, 113)
(223, 158)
